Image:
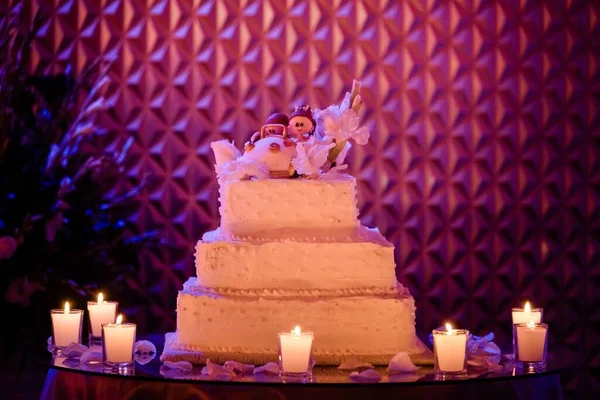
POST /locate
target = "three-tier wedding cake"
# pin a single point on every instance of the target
(290, 250)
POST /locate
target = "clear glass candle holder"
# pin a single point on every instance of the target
(66, 328)
(531, 342)
(100, 314)
(522, 316)
(295, 354)
(118, 341)
(450, 353)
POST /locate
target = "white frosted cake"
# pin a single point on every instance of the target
(290, 251)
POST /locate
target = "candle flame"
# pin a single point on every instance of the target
(100, 298)
(449, 329)
(67, 308)
(119, 319)
(527, 307)
(297, 330)
(531, 324)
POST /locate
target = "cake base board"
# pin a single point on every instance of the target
(421, 356)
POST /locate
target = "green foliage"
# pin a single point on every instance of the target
(64, 231)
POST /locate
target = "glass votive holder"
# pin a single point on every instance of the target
(66, 327)
(450, 354)
(523, 315)
(295, 353)
(100, 313)
(118, 340)
(531, 342)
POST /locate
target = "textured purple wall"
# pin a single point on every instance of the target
(483, 169)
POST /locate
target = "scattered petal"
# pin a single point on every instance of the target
(401, 363)
(74, 350)
(351, 363)
(368, 375)
(217, 371)
(180, 365)
(238, 367)
(268, 368)
(92, 356)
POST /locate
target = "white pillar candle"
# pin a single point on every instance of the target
(295, 351)
(531, 341)
(100, 313)
(450, 348)
(66, 326)
(526, 314)
(117, 341)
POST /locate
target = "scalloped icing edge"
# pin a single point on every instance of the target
(173, 351)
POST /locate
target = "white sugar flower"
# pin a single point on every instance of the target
(224, 151)
(345, 127)
(311, 157)
(242, 170)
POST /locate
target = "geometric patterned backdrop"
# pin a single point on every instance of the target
(483, 168)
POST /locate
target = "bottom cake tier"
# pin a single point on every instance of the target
(371, 323)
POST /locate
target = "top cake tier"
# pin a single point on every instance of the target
(275, 208)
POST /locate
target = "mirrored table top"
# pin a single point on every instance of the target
(150, 368)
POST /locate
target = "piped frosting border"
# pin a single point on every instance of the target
(324, 357)
(362, 235)
(192, 287)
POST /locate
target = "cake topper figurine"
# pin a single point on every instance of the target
(310, 144)
(277, 119)
(275, 124)
(301, 125)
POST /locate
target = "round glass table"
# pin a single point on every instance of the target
(70, 379)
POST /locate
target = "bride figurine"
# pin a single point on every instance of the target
(301, 125)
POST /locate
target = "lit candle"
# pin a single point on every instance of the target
(100, 313)
(526, 314)
(66, 326)
(450, 348)
(295, 349)
(531, 339)
(117, 341)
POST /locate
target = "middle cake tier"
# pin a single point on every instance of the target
(363, 260)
